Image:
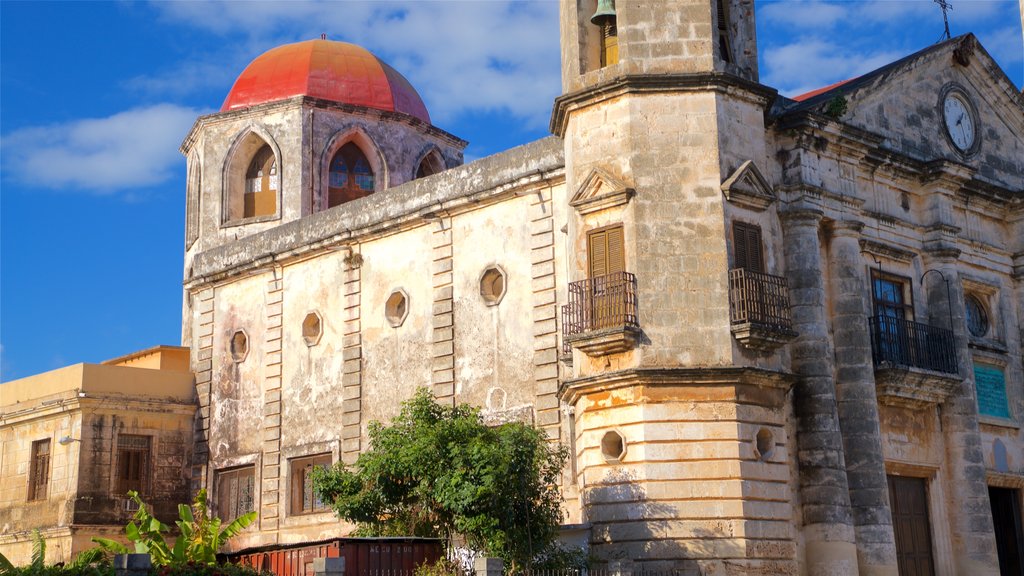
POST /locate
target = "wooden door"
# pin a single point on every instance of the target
(908, 498)
(606, 260)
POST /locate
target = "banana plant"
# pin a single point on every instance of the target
(200, 534)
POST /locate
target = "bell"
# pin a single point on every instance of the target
(605, 11)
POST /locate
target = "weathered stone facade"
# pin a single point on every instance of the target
(733, 405)
(61, 466)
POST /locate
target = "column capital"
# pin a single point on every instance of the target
(801, 217)
(846, 228)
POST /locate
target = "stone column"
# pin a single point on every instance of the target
(970, 513)
(857, 404)
(824, 492)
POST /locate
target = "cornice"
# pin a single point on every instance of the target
(404, 207)
(302, 102)
(570, 390)
(653, 83)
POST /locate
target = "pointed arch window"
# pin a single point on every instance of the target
(260, 196)
(430, 165)
(350, 176)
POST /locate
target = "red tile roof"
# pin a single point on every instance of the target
(325, 69)
(814, 93)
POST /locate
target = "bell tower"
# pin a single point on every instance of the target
(683, 437)
(674, 36)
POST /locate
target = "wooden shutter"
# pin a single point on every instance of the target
(747, 249)
(606, 252)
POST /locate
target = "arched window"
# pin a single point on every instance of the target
(431, 164)
(260, 197)
(350, 176)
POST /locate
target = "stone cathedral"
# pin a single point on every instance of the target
(779, 336)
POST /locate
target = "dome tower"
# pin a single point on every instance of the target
(306, 127)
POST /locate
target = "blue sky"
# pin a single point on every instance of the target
(95, 99)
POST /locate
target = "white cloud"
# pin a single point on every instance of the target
(1004, 44)
(131, 149)
(812, 63)
(186, 78)
(803, 14)
(462, 57)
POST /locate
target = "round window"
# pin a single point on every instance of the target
(396, 308)
(613, 446)
(492, 285)
(239, 346)
(312, 329)
(977, 318)
(764, 444)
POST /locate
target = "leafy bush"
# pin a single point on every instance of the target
(438, 471)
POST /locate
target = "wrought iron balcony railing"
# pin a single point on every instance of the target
(604, 302)
(759, 299)
(899, 342)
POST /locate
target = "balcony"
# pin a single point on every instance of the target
(915, 364)
(898, 342)
(759, 310)
(601, 316)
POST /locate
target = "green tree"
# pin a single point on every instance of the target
(439, 471)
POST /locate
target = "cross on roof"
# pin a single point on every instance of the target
(946, 6)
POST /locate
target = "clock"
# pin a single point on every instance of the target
(959, 121)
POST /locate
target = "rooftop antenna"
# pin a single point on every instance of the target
(946, 7)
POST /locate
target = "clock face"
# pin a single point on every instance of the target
(959, 122)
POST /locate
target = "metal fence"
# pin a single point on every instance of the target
(597, 303)
(900, 342)
(758, 298)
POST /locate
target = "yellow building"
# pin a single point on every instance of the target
(76, 439)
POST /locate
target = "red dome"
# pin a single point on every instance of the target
(326, 69)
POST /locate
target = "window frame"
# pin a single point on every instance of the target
(121, 485)
(229, 508)
(39, 489)
(906, 290)
(267, 173)
(298, 473)
(604, 230)
(985, 316)
(350, 153)
(233, 178)
(746, 230)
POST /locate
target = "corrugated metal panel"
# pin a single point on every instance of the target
(363, 556)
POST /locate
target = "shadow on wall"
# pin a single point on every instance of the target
(658, 536)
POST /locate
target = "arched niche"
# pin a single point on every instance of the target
(347, 148)
(252, 179)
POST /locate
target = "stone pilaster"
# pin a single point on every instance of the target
(824, 492)
(857, 404)
(443, 377)
(271, 460)
(970, 515)
(202, 366)
(352, 366)
(545, 338)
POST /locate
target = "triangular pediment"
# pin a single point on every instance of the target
(903, 104)
(600, 190)
(747, 187)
